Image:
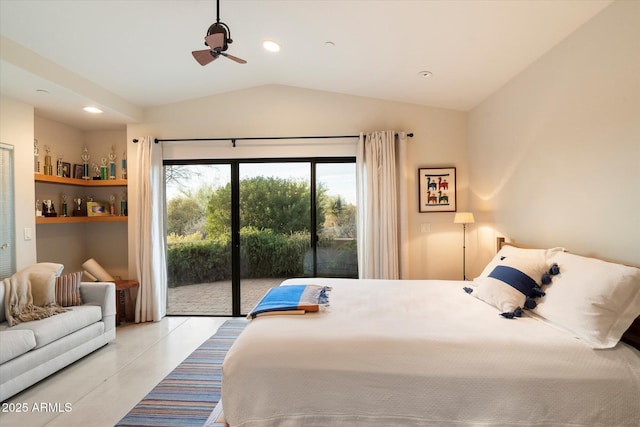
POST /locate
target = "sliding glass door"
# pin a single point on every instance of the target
(336, 248)
(199, 251)
(275, 226)
(239, 227)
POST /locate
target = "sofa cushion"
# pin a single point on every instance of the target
(55, 327)
(68, 289)
(15, 343)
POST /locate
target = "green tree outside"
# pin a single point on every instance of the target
(277, 204)
(183, 216)
(275, 235)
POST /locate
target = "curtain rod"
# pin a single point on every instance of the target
(257, 138)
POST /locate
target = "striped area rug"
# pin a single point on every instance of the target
(188, 395)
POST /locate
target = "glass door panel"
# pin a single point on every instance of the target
(275, 226)
(336, 254)
(198, 239)
(7, 228)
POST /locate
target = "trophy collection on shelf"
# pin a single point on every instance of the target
(106, 169)
(82, 205)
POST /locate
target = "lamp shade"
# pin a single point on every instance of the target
(464, 218)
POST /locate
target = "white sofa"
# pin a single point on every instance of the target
(31, 351)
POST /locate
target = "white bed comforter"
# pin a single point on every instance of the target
(421, 353)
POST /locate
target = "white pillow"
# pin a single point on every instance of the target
(541, 255)
(512, 284)
(595, 300)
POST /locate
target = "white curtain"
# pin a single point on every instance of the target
(382, 205)
(150, 233)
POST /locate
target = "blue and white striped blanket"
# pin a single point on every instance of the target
(292, 299)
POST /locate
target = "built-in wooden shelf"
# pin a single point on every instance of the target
(52, 179)
(80, 182)
(69, 219)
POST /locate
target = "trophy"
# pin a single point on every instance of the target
(77, 210)
(48, 168)
(112, 204)
(124, 164)
(59, 165)
(96, 171)
(103, 169)
(64, 205)
(123, 204)
(85, 163)
(36, 154)
(112, 163)
(38, 210)
(48, 209)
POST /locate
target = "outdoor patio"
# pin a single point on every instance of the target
(214, 299)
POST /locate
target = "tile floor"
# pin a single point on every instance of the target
(101, 388)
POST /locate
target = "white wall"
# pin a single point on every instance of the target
(555, 154)
(16, 128)
(440, 140)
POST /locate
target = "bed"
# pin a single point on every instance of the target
(428, 353)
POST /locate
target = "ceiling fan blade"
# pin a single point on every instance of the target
(234, 58)
(204, 56)
(215, 40)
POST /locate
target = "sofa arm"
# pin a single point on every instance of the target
(104, 295)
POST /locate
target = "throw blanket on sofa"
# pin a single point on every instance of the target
(30, 293)
(293, 299)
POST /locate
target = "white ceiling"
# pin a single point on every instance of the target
(126, 55)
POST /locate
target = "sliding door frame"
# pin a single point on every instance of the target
(235, 163)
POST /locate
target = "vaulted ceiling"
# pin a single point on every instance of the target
(127, 55)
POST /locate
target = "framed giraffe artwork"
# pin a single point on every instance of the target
(437, 189)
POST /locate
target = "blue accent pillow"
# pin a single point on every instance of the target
(513, 284)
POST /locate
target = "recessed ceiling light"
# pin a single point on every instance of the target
(330, 44)
(271, 46)
(42, 90)
(93, 110)
(425, 73)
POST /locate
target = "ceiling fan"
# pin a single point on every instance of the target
(218, 39)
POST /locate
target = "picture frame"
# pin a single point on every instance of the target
(78, 171)
(66, 170)
(437, 190)
(97, 209)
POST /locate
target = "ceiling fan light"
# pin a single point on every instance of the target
(93, 110)
(271, 46)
